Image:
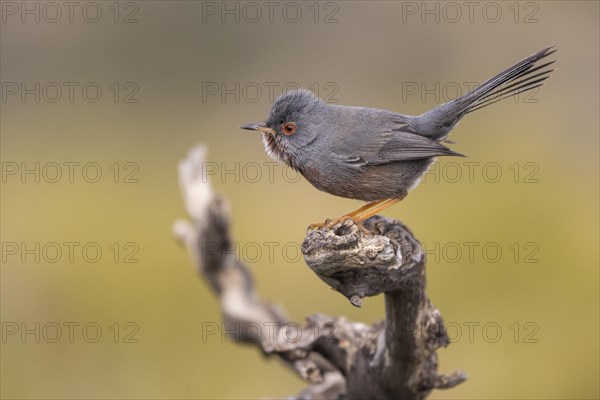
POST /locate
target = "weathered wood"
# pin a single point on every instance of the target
(399, 358)
(339, 358)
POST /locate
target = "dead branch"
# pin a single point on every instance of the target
(340, 359)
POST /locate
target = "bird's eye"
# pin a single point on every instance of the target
(289, 128)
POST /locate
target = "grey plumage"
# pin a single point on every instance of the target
(372, 154)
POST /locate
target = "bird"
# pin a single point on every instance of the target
(376, 155)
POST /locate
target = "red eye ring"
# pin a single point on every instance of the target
(289, 128)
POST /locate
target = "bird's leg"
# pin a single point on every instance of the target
(350, 215)
(363, 208)
(379, 208)
(359, 217)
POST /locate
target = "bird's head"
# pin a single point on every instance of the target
(291, 125)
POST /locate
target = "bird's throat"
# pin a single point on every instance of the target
(277, 150)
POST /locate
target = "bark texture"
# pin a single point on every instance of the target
(340, 359)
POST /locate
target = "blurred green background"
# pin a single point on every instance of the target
(524, 322)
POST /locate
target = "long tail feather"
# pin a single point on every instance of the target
(523, 76)
(514, 85)
(524, 85)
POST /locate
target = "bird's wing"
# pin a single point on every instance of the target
(388, 147)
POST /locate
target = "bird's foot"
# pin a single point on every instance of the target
(359, 216)
(330, 223)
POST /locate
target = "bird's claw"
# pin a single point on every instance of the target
(316, 225)
(330, 223)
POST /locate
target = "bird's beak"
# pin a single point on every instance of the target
(257, 127)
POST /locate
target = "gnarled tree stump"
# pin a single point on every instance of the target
(394, 359)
